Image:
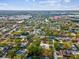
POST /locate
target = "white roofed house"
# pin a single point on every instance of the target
(44, 45)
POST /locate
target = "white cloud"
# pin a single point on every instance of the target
(43, 5)
(67, 1)
(30, 0)
(49, 1)
(54, 5)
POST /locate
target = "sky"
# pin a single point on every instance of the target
(39, 4)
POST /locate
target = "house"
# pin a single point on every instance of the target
(56, 17)
(24, 44)
(44, 45)
(22, 51)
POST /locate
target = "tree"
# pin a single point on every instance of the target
(34, 48)
(67, 45)
(47, 52)
(56, 44)
(11, 54)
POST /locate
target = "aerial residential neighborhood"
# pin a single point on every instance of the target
(39, 37)
(39, 29)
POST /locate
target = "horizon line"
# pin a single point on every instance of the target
(39, 10)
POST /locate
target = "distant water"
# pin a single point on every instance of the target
(44, 13)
